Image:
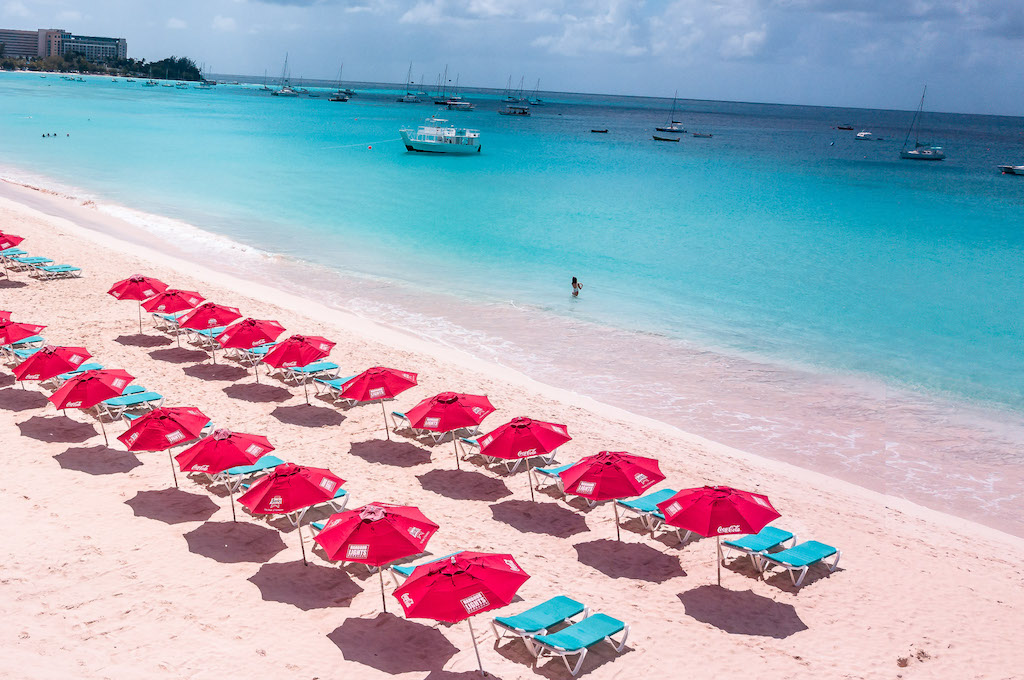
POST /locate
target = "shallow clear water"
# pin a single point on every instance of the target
(781, 286)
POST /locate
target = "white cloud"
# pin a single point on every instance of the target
(612, 29)
(69, 15)
(224, 23)
(15, 9)
(176, 24)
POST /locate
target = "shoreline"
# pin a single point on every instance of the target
(878, 464)
(397, 338)
(150, 579)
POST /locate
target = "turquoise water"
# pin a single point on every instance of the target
(781, 239)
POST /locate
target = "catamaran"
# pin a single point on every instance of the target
(286, 88)
(437, 136)
(920, 152)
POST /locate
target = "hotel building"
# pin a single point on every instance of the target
(46, 42)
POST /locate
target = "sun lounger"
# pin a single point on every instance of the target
(59, 380)
(337, 504)
(537, 620)
(333, 387)
(12, 253)
(234, 477)
(578, 638)
(254, 355)
(800, 558)
(135, 398)
(206, 337)
(405, 570)
(24, 263)
(756, 545)
(298, 375)
(168, 323)
(57, 271)
(35, 341)
(471, 447)
(400, 421)
(646, 508)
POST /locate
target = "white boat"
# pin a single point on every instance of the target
(437, 136)
(458, 105)
(409, 97)
(920, 152)
(673, 125)
(285, 91)
(1012, 169)
(515, 110)
(866, 136)
(286, 88)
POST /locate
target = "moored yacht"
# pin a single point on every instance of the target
(436, 135)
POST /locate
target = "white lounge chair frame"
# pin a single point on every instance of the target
(766, 561)
(540, 650)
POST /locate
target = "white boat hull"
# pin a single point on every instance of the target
(439, 147)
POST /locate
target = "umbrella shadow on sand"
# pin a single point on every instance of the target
(307, 415)
(312, 587)
(172, 506)
(540, 518)
(393, 645)
(97, 460)
(6, 380)
(233, 542)
(398, 454)
(741, 612)
(257, 393)
(11, 283)
(17, 399)
(464, 675)
(225, 372)
(57, 430)
(142, 340)
(464, 485)
(629, 560)
(179, 355)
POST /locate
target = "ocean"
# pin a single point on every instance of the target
(780, 287)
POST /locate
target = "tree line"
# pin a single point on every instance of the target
(171, 68)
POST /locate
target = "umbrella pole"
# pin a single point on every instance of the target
(140, 318)
(478, 661)
(618, 529)
(384, 412)
(256, 372)
(171, 457)
(231, 493)
(305, 390)
(383, 600)
(103, 427)
(529, 481)
(718, 550)
(302, 543)
(455, 445)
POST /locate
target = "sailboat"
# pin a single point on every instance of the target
(339, 95)
(265, 88)
(920, 152)
(535, 100)
(673, 124)
(442, 88)
(286, 89)
(408, 97)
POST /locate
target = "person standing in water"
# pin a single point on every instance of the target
(576, 287)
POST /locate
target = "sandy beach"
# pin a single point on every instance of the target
(109, 572)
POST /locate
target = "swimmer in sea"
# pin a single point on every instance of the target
(576, 287)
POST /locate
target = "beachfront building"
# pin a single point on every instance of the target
(47, 42)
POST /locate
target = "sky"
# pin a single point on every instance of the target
(860, 53)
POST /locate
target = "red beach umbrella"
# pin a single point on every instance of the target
(222, 450)
(85, 390)
(609, 475)
(523, 438)
(9, 240)
(11, 331)
(378, 383)
(209, 315)
(249, 333)
(718, 510)
(137, 287)
(164, 428)
(298, 350)
(454, 589)
(376, 534)
(5, 317)
(291, 488)
(172, 300)
(449, 411)
(51, 361)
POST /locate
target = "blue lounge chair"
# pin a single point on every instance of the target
(234, 477)
(12, 253)
(57, 271)
(9, 351)
(578, 638)
(25, 263)
(755, 545)
(333, 387)
(537, 620)
(59, 380)
(134, 397)
(646, 507)
(401, 421)
(168, 323)
(554, 477)
(405, 570)
(299, 375)
(471, 447)
(800, 558)
(254, 355)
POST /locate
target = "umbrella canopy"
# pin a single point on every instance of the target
(5, 317)
(376, 534)
(449, 411)
(11, 332)
(718, 510)
(172, 300)
(289, 488)
(458, 587)
(9, 240)
(378, 383)
(611, 474)
(137, 287)
(222, 450)
(164, 427)
(249, 333)
(51, 361)
(209, 315)
(85, 390)
(298, 350)
(523, 438)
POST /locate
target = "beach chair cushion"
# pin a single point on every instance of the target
(578, 637)
(800, 558)
(265, 463)
(536, 620)
(767, 539)
(407, 569)
(649, 502)
(81, 369)
(553, 471)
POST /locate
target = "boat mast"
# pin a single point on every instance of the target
(913, 123)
